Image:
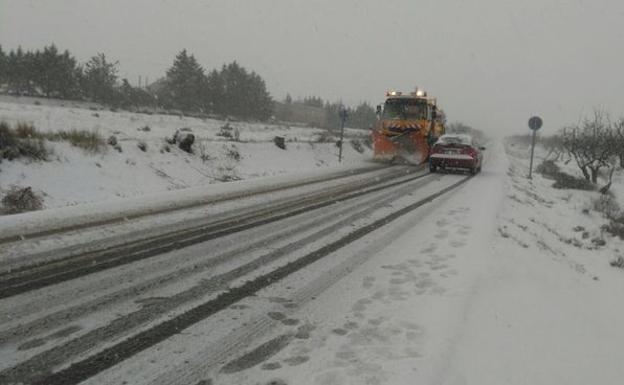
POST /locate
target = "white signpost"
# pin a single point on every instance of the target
(535, 123)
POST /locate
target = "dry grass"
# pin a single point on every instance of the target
(25, 140)
(21, 199)
(89, 141)
(22, 141)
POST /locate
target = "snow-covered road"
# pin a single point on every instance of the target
(388, 287)
(46, 329)
(447, 297)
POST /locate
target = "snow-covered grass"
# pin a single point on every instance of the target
(561, 222)
(144, 162)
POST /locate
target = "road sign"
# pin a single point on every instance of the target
(535, 123)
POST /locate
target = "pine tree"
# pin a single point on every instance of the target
(185, 87)
(363, 116)
(3, 67)
(313, 101)
(126, 94)
(215, 92)
(55, 73)
(332, 118)
(29, 72)
(262, 105)
(18, 67)
(245, 94)
(100, 78)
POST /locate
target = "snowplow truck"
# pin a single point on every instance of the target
(407, 126)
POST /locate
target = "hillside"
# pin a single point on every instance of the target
(74, 175)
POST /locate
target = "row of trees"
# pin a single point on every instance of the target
(55, 74)
(595, 144)
(363, 116)
(186, 86)
(231, 91)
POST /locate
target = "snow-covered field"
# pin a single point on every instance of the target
(75, 177)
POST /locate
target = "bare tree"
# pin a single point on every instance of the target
(591, 145)
(618, 140)
(554, 145)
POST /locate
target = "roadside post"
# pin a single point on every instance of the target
(343, 114)
(535, 123)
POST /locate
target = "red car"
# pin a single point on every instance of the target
(456, 151)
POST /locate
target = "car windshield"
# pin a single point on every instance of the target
(455, 139)
(405, 109)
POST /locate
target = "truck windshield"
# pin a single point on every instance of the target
(405, 109)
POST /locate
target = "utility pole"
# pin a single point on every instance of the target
(343, 114)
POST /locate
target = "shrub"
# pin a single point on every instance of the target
(7, 137)
(89, 141)
(142, 146)
(185, 142)
(548, 168)
(233, 153)
(567, 181)
(280, 142)
(183, 138)
(228, 178)
(615, 227)
(34, 149)
(25, 130)
(608, 206)
(324, 137)
(24, 141)
(226, 131)
(19, 200)
(618, 262)
(203, 152)
(145, 128)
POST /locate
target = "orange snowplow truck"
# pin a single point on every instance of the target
(407, 127)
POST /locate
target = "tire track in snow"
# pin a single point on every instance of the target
(110, 356)
(24, 280)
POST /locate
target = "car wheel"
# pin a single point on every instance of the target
(473, 170)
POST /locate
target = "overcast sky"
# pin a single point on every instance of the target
(491, 63)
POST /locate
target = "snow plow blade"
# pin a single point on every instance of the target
(407, 148)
